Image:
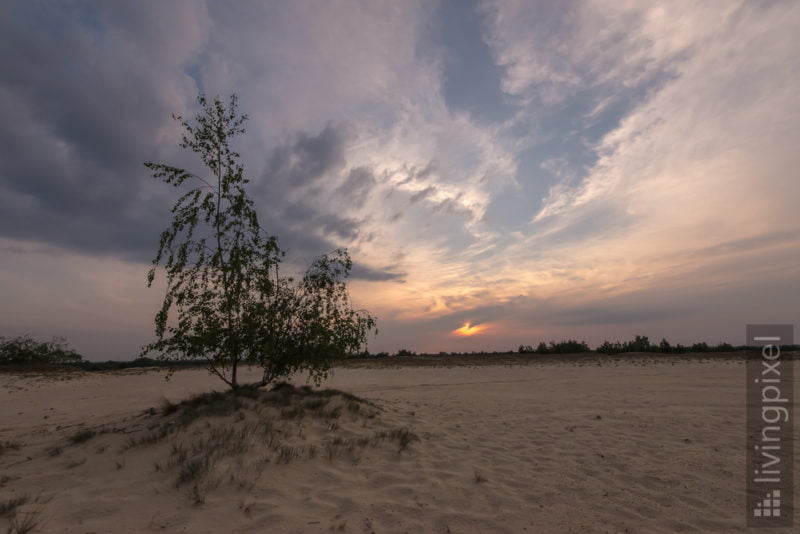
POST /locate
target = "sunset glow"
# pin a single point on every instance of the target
(469, 330)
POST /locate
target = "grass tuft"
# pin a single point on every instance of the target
(24, 525)
(279, 396)
(178, 454)
(286, 454)
(403, 437)
(198, 495)
(75, 463)
(192, 470)
(148, 439)
(294, 412)
(9, 507)
(316, 404)
(206, 404)
(82, 436)
(9, 446)
(166, 408)
(247, 392)
(333, 413)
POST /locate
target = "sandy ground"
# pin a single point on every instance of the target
(628, 446)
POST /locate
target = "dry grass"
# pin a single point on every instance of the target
(21, 523)
(9, 446)
(201, 441)
(221, 439)
(83, 436)
(24, 525)
(8, 508)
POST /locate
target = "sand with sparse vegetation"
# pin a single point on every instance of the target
(564, 445)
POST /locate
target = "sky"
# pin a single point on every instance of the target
(502, 172)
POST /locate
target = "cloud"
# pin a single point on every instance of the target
(682, 193)
(307, 158)
(422, 195)
(357, 187)
(700, 160)
(363, 84)
(77, 168)
(637, 149)
(552, 51)
(362, 272)
(292, 194)
(708, 138)
(79, 124)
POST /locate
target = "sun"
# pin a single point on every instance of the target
(469, 330)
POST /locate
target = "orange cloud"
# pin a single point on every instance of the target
(469, 330)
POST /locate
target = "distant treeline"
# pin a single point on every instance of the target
(638, 344)
(111, 365)
(642, 344)
(573, 346)
(27, 351)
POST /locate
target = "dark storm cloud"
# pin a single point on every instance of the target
(357, 187)
(362, 272)
(291, 167)
(307, 158)
(86, 96)
(339, 226)
(82, 105)
(311, 224)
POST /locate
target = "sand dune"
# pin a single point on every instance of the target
(627, 446)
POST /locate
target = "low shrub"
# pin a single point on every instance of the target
(27, 351)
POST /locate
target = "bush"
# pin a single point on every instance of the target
(642, 344)
(638, 344)
(26, 350)
(569, 346)
(609, 348)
